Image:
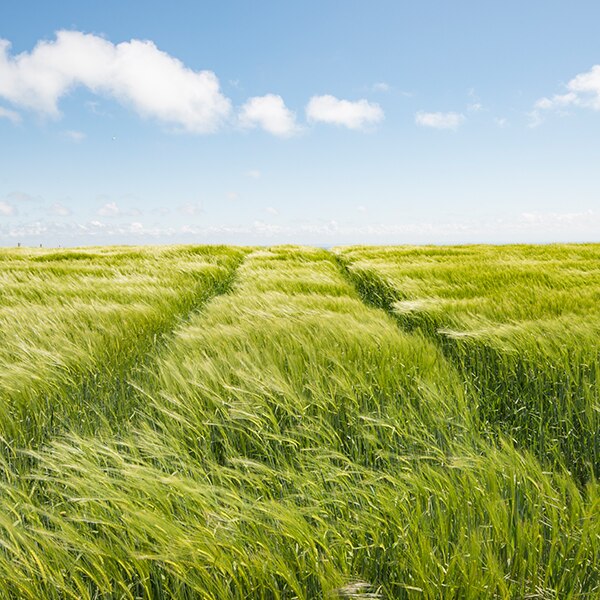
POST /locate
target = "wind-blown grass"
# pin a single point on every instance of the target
(294, 442)
(72, 324)
(521, 322)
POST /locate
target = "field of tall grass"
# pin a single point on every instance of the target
(73, 323)
(522, 323)
(292, 422)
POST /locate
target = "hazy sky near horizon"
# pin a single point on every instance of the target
(325, 122)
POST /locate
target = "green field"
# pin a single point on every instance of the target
(292, 422)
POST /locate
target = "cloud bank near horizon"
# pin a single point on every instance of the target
(534, 227)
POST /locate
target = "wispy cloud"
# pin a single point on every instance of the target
(24, 197)
(541, 226)
(253, 174)
(475, 104)
(110, 209)
(353, 115)
(60, 210)
(440, 120)
(74, 136)
(11, 115)
(191, 208)
(6, 209)
(535, 118)
(381, 86)
(581, 91)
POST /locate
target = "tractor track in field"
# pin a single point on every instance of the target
(152, 344)
(115, 395)
(376, 292)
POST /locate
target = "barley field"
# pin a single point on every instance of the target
(291, 422)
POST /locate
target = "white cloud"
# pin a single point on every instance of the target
(60, 210)
(11, 115)
(253, 174)
(191, 208)
(270, 113)
(582, 91)
(271, 210)
(475, 105)
(381, 86)
(535, 118)
(23, 197)
(501, 121)
(74, 136)
(6, 209)
(94, 107)
(160, 210)
(110, 209)
(524, 227)
(587, 87)
(233, 196)
(136, 73)
(559, 102)
(440, 120)
(354, 115)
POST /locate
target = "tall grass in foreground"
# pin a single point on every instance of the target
(521, 322)
(296, 443)
(73, 324)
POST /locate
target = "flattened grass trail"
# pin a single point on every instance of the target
(375, 422)
(522, 324)
(74, 324)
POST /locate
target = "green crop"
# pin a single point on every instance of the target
(521, 323)
(212, 422)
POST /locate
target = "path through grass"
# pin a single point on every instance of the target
(294, 442)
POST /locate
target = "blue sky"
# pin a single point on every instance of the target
(310, 122)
